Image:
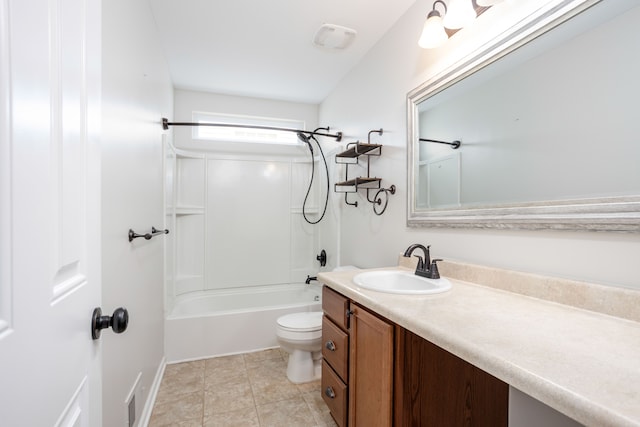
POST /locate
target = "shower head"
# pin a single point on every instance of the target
(304, 138)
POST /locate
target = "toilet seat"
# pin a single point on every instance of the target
(301, 322)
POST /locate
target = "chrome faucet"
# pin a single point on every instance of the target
(425, 267)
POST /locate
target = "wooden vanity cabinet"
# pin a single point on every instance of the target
(437, 388)
(357, 370)
(378, 374)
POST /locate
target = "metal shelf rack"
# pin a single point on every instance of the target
(351, 156)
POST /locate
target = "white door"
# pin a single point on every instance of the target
(50, 212)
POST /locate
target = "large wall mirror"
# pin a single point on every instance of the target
(549, 125)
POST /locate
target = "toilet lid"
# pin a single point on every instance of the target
(307, 321)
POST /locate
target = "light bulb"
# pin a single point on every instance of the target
(460, 13)
(433, 33)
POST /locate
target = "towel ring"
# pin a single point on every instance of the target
(377, 199)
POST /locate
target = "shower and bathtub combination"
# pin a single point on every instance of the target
(241, 249)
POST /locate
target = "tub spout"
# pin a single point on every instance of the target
(309, 279)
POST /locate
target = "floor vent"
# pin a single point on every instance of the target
(132, 411)
(130, 414)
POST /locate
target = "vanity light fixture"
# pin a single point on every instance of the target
(486, 3)
(459, 14)
(433, 33)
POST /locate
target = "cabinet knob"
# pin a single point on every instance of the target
(349, 312)
(330, 393)
(330, 345)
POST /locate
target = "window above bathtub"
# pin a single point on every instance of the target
(244, 134)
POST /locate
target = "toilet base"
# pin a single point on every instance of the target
(303, 366)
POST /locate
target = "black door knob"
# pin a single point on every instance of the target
(117, 322)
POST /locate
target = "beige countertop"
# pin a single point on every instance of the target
(583, 363)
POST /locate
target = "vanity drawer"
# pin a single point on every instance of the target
(335, 347)
(335, 306)
(334, 393)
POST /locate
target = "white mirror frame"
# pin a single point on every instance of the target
(621, 214)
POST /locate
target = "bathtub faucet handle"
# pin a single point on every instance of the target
(322, 258)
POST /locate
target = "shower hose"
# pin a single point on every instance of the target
(313, 168)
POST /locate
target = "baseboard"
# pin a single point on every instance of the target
(145, 417)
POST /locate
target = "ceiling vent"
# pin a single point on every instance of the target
(330, 36)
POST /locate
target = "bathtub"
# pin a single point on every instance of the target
(214, 323)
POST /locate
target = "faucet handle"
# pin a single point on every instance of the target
(433, 269)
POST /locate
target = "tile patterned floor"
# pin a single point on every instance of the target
(243, 390)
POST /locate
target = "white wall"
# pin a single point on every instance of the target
(373, 96)
(137, 92)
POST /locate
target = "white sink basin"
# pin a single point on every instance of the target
(400, 282)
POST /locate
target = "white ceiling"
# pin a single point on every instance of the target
(262, 48)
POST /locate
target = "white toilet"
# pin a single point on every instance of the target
(300, 335)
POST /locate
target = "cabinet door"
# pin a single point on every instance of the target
(437, 388)
(370, 369)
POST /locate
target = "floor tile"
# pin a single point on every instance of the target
(291, 413)
(271, 386)
(181, 378)
(310, 386)
(318, 408)
(175, 386)
(231, 395)
(221, 369)
(186, 368)
(247, 417)
(234, 362)
(188, 423)
(183, 408)
(276, 366)
(243, 390)
(273, 353)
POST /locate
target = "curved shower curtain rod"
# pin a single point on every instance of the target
(166, 123)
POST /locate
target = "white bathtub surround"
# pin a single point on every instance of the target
(215, 323)
(236, 207)
(582, 363)
(236, 219)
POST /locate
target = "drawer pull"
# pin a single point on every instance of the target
(330, 345)
(330, 393)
